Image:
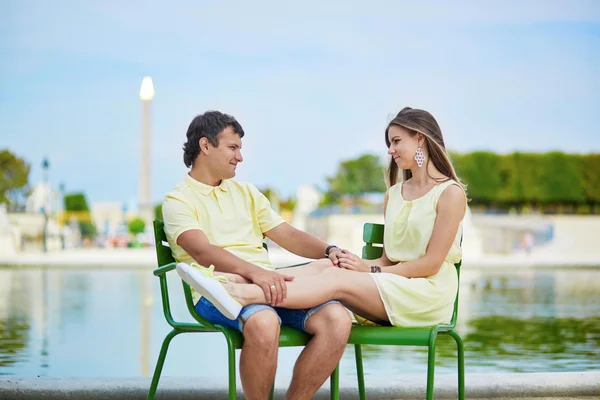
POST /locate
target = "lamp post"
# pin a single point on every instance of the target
(145, 192)
(46, 204)
(62, 208)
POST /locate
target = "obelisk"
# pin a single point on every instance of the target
(145, 190)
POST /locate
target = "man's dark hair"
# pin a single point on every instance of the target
(208, 125)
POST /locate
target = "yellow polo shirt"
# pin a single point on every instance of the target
(233, 215)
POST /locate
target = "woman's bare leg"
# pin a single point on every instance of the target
(235, 278)
(310, 269)
(356, 289)
(314, 268)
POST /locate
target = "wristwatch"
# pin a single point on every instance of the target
(329, 248)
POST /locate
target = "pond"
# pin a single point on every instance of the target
(65, 322)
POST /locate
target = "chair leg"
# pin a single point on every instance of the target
(359, 372)
(461, 364)
(335, 383)
(431, 367)
(272, 394)
(231, 362)
(160, 362)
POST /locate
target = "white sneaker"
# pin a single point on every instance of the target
(208, 285)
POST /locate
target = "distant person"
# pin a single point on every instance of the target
(214, 221)
(415, 282)
(528, 242)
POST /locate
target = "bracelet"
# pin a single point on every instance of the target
(329, 248)
(375, 268)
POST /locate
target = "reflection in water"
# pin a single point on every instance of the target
(104, 322)
(13, 334)
(14, 325)
(509, 344)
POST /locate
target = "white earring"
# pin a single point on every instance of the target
(419, 157)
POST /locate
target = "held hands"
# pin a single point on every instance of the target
(334, 255)
(348, 260)
(272, 283)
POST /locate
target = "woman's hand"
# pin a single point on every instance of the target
(348, 260)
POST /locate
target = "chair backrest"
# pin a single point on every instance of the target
(165, 256)
(373, 248)
(163, 251)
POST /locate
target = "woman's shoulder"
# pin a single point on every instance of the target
(452, 194)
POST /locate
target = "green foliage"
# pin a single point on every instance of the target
(552, 181)
(523, 171)
(136, 225)
(278, 204)
(480, 171)
(14, 178)
(76, 202)
(358, 176)
(288, 204)
(364, 174)
(589, 165)
(158, 212)
(88, 229)
(556, 180)
(330, 198)
(77, 207)
(560, 180)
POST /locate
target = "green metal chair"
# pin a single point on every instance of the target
(288, 336)
(384, 335)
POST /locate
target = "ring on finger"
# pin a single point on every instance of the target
(273, 287)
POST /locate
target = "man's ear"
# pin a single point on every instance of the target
(204, 144)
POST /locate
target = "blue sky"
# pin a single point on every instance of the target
(311, 83)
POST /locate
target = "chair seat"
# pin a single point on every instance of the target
(390, 335)
(288, 337)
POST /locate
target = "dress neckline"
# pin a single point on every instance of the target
(419, 198)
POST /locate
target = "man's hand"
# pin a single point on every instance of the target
(334, 256)
(351, 261)
(272, 283)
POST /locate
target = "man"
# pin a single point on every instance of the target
(216, 221)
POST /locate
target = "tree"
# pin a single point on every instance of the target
(364, 174)
(289, 204)
(14, 179)
(158, 212)
(76, 202)
(76, 206)
(521, 174)
(561, 181)
(480, 170)
(136, 225)
(590, 172)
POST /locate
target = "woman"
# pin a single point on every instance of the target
(414, 283)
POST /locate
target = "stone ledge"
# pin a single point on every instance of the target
(561, 385)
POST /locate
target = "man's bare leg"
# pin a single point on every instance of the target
(258, 360)
(331, 328)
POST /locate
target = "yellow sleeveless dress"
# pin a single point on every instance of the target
(413, 302)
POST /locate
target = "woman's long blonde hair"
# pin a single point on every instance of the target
(420, 121)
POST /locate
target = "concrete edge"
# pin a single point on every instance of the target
(412, 386)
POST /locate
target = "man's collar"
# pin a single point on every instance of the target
(203, 187)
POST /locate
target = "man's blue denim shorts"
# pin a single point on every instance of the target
(287, 316)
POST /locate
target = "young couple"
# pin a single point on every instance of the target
(215, 227)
